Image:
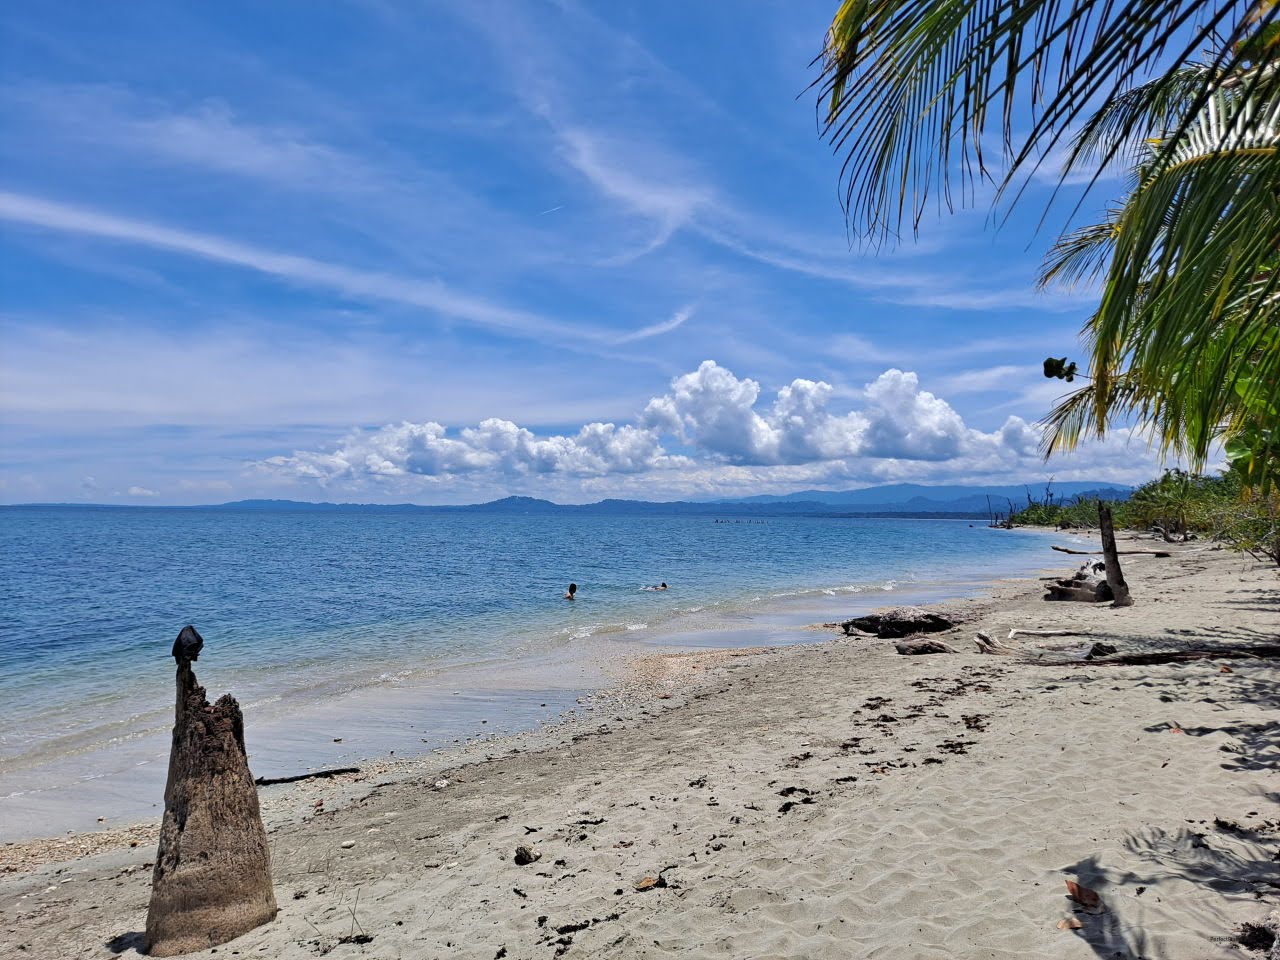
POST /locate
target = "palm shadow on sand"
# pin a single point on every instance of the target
(1233, 860)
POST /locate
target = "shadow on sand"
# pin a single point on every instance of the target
(134, 940)
(1234, 860)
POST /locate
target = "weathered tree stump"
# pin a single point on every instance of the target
(1115, 578)
(212, 878)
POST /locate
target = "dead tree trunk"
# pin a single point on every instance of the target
(1115, 578)
(212, 877)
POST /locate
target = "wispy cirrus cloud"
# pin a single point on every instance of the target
(208, 135)
(627, 159)
(432, 295)
(668, 204)
(677, 320)
(360, 284)
(374, 192)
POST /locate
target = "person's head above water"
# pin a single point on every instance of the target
(573, 588)
(662, 585)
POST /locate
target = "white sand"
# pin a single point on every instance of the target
(934, 807)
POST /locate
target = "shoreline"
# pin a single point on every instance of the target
(443, 706)
(807, 800)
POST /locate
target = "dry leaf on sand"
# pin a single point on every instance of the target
(1087, 898)
(648, 883)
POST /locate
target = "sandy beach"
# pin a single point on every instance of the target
(826, 800)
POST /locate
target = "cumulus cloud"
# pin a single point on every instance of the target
(909, 423)
(136, 491)
(721, 430)
(715, 411)
(498, 446)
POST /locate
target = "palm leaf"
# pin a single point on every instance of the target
(914, 90)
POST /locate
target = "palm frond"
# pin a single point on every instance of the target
(1188, 318)
(1083, 254)
(915, 89)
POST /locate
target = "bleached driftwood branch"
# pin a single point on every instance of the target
(1090, 553)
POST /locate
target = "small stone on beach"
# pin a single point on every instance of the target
(526, 855)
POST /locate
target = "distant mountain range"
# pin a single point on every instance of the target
(902, 499)
(914, 497)
(899, 499)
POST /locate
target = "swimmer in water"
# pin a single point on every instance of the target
(569, 594)
(661, 586)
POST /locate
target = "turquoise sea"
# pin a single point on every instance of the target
(348, 635)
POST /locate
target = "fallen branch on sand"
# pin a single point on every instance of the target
(1048, 633)
(1089, 553)
(1056, 655)
(917, 646)
(994, 647)
(1260, 651)
(1102, 654)
(318, 775)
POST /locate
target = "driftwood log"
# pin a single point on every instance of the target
(1122, 553)
(212, 877)
(1046, 633)
(1104, 654)
(917, 646)
(1256, 651)
(1081, 586)
(897, 623)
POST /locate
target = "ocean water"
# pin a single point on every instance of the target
(352, 634)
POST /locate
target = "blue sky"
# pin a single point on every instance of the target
(442, 252)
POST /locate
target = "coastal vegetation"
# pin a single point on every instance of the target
(1179, 506)
(927, 101)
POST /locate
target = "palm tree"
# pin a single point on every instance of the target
(1185, 336)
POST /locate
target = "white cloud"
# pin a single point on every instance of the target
(988, 378)
(713, 410)
(209, 135)
(350, 282)
(136, 491)
(909, 423)
(633, 181)
(359, 284)
(495, 446)
(677, 320)
(732, 439)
